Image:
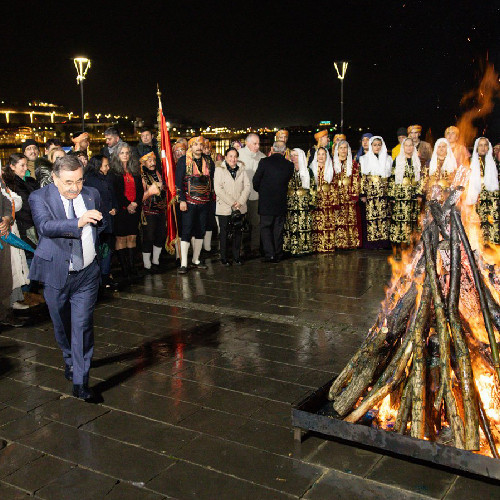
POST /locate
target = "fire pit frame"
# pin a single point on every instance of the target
(306, 418)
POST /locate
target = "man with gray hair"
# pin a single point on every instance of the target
(271, 182)
(250, 157)
(68, 219)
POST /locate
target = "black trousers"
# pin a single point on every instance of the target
(271, 234)
(194, 221)
(236, 240)
(154, 232)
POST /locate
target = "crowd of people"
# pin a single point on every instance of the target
(287, 203)
(64, 215)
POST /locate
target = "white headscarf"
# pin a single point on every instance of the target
(450, 163)
(490, 173)
(336, 160)
(401, 163)
(303, 170)
(371, 165)
(328, 174)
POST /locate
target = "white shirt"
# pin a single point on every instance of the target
(87, 239)
(251, 162)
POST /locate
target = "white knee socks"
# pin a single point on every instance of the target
(207, 241)
(156, 255)
(184, 253)
(146, 258)
(197, 250)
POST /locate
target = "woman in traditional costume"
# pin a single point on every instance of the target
(345, 192)
(405, 192)
(459, 150)
(442, 169)
(301, 200)
(483, 190)
(323, 235)
(363, 148)
(376, 168)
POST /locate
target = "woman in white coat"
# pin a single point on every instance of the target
(17, 256)
(232, 189)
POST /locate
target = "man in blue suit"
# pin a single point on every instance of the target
(68, 220)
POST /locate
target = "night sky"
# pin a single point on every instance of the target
(255, 63)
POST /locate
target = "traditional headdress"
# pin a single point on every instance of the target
(200, 140)
(411, 127)
(340, 137)
(328, 175)
(336, 160)
(450, 163)
(401, 163)
(303, 170)
(79, 137)
(361, 151)
(191, 166)
(490, 173)
(371, 165)
(320, 134)
(143, 159)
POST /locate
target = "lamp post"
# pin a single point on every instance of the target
(82, 65)
(341, 68)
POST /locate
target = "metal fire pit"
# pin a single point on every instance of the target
(306, 416)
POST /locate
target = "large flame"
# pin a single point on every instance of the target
(481, 103)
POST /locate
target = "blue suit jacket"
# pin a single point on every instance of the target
(55, 231)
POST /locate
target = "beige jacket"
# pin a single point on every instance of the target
(229, 190)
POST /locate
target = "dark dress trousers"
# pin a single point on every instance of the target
(271, 182)
(70, 297)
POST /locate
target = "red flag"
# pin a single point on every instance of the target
(167, 164)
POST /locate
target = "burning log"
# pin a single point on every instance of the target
(480, 290)
(445, 390)
(464, 372)
(415, 372)
(419, 364)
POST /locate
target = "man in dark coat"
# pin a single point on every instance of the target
(271, 182)
(148, 144)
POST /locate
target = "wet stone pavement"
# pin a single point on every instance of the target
(198, 374)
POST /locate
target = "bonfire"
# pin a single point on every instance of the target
(429, 367)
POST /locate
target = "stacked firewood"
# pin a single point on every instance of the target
(421, 352)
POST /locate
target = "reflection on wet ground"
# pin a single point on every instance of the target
(197, 374)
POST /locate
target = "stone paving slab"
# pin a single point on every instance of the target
(197, 374)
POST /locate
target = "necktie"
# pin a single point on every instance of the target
(76, 249)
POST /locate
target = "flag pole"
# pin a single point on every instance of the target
(172, 201)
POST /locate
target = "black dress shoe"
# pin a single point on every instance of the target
(200, 265)
(182, 270)
(238, 262)
(68, 372)
(15, 321)
(84, 392)
(267, 259)
(225, 262)
(155, 269)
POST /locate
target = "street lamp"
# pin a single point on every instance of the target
(341, 68)
(82, 65)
